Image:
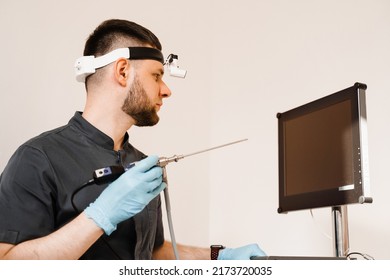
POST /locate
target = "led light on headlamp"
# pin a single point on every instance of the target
(173, 68)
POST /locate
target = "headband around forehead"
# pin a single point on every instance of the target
(87, 65)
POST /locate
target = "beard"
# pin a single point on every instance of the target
(138, 106)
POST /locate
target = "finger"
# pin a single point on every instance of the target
(152, 174)
(149, 187)
(146, 164)
(157, 190)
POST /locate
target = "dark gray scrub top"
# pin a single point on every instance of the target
(38, 182)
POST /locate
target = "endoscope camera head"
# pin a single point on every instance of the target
(173, 68)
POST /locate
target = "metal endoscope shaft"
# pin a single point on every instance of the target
(163, 161)
(213, 148)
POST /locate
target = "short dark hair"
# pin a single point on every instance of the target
(111, 31)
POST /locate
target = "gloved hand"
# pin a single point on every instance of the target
(127, 195)
(241, 253)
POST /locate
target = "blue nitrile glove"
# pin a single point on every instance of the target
(241, 253)
(127, 195)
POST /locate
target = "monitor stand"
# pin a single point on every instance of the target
(340, 230)
(340, 238)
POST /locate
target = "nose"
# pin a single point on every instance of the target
(164, 90)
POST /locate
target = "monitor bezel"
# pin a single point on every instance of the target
(331, 197)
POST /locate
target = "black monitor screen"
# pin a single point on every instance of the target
(320, 152)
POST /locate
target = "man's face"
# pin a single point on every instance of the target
(146, 93)
(138, 106)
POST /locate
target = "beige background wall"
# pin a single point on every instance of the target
(246, 61)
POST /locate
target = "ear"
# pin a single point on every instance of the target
(122, 71)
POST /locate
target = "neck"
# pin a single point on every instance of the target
(114, 124)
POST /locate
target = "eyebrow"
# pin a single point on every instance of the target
(159, 72)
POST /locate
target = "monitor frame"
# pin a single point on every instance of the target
(360, 193)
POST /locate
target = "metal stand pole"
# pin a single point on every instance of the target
(340, 230)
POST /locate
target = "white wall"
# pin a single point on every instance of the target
(246, 61)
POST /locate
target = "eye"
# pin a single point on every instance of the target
(157, 74)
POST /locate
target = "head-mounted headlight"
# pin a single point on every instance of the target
(87, 65)
(173, 68)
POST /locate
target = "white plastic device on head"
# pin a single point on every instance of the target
(173, 67)
(87, 65)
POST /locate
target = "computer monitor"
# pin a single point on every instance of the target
(323, 152)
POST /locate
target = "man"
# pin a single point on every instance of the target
(52, 208)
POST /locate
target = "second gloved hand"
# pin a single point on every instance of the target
(241, 253)
(128, 195)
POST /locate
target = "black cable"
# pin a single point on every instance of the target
(365, 256)
(86, 184)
